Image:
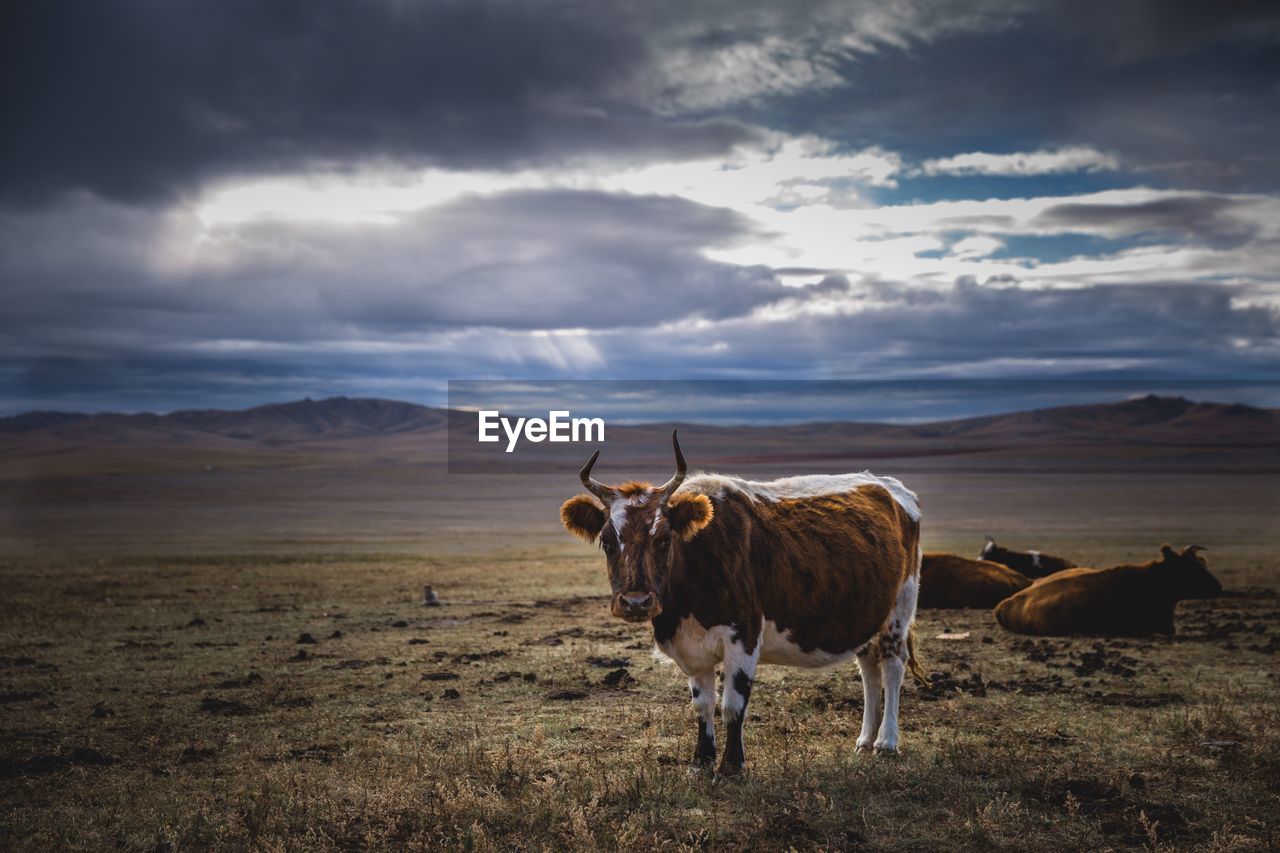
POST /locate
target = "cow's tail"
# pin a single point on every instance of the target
(913, 661)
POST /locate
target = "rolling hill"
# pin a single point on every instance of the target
(333, 422)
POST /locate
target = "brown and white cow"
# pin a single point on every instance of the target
(804, 571)
(1125, 601)
(952, 581)
(1033, 564)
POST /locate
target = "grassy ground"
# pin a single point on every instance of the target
(158, 703)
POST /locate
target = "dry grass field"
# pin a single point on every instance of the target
(237, 658)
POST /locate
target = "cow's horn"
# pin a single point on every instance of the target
(593, 485)
(681, 467)
(1191, 549)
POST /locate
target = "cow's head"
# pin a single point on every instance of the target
(639, 527)
(1189, 572)
(989, 549)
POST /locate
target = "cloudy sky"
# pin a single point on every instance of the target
(222, 204)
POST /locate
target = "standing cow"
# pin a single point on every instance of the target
(804, 571)
(1033, 564)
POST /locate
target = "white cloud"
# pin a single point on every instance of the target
(744, 52)
(1022, 163)
(888, 241)
(975, 247)
(784, 172)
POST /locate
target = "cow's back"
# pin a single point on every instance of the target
(952, 581)
(1105, 602)
(829, 567)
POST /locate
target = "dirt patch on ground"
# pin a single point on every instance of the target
(1134, 700)
(1127, 818)
(38, 765)
(225, 707)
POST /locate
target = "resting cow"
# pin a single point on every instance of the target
(949, 580)
(805, 571)
(1126, 601)
(1033, 564)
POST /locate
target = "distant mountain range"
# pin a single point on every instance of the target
(1152, 420)
(281, 423)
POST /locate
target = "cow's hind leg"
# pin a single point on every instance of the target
(703, 689)
(869, 664)
(893, 661)
(739, 673)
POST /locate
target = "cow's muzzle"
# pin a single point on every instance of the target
(636, 606)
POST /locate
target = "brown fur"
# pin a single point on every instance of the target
(689, 514)
(1125, 601)
(949, 580)
(827, 568)
(582, 516)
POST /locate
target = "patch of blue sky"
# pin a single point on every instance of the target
(1045, 249)
(1052, 248)
(925, 189)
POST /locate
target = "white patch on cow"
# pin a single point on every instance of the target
(795, 488)
(733, 705)
(618, 515)
(893, 659)
(872, 695)
(618, 511)
(892, 671)
(778, 647)
(1035, 558)
(695, 648)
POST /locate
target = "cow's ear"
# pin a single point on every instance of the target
(582, 517)
(1168, 552)
(688, 514)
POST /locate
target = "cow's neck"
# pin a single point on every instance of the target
(706, 587)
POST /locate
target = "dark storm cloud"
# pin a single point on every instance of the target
(1184, 331)
(523, 260)
(1204, 218)
(969, 330)
(139, 99)
(1146, 29)
(1189, 94)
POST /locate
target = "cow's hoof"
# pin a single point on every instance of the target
(886, 748)
(729, 772)
(864, 746)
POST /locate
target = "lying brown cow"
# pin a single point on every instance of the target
(949, 580)
(1126, 601)
(1033, 564)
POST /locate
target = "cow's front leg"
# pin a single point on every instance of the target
(872, 690)
(739, 673)
(703, 689)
